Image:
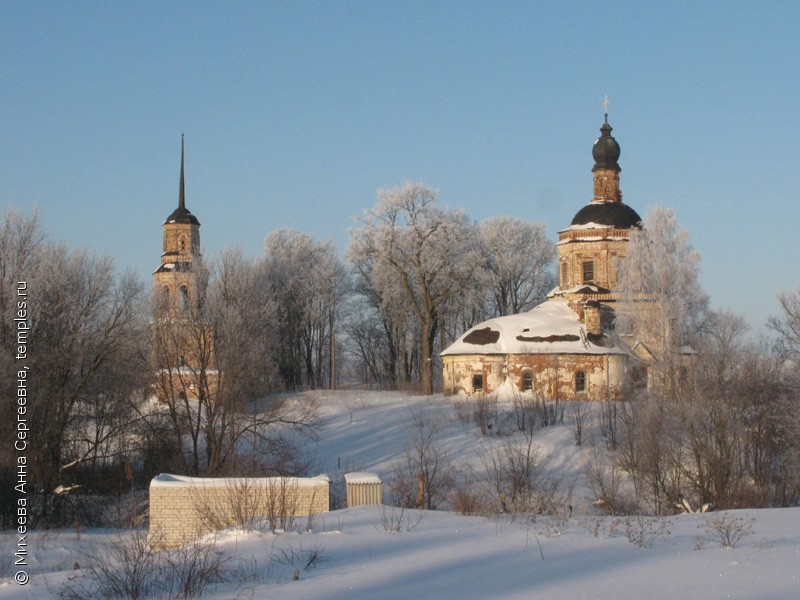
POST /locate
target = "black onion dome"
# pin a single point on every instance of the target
(611, 214)
(606, 150)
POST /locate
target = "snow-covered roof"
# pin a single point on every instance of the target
(592, 238)
(361, 477)
(589, 225)
(550, 328)
(180, 267)
(188, 370)
(169, 480)
(581, 288)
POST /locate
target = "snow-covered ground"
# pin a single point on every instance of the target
(383, 552)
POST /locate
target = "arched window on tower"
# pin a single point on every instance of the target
(163, 301)
(564, 274)
(184, 297)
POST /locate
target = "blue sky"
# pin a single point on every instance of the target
(296, 112)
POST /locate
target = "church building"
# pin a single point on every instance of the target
(175, 280)
(182, 343)
(560, 349)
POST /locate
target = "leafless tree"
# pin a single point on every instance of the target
(513, 473)
(186, 382)
(384, 305)
(517, 268)
(579, 414)
(307, 284)
(216, 365)
(787, 326)
(649, 451)
(423, 479)
(89, 363)
(606, 480)
(420, 256)
(722, 441)
(20, 240)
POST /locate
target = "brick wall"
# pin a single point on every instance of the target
(185, 508)
(553, 375)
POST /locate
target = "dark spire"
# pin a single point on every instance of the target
(182, 191)
(182, 214)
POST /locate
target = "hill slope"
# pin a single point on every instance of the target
(388, 553)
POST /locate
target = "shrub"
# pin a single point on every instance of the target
(129, 567)
(646, 531)
(724, 529)
(247, 503)
(396, 520)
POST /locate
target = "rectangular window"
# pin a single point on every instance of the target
(527, 381)
(588, 271)
(477, 383)
(564, 274)
(580, 381)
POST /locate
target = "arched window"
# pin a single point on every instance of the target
(564, 274)
(184, 297)
(164, 300)
(527, 380)
(580, 381)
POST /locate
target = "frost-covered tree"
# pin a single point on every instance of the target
(308, 284)
(517, 269)
(87, 365)
(85, 362)
(21, 240)
(419, 258)
(370, 343)
(662, 303)
(244, 318)
(384, 303)
(787, 326)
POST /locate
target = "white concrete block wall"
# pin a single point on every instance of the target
(185, 508)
